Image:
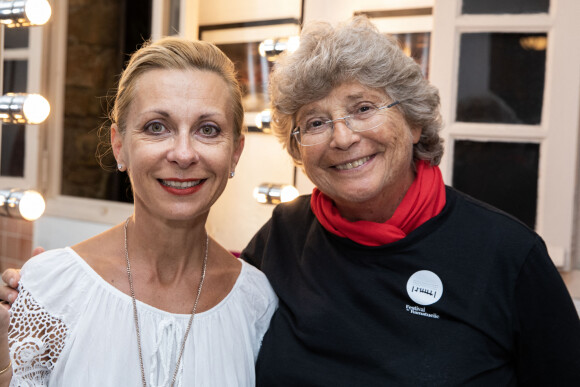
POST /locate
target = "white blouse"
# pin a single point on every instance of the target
(69, 327)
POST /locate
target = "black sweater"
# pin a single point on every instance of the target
(352, 315)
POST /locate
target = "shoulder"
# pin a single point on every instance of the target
(255, 292)
(488, 231)
(255, 283)
(481, 214)
(49, 263)
(57, 280)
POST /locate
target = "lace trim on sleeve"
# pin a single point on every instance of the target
(36, 341)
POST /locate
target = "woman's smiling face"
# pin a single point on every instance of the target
(359, 168)
(179, 145)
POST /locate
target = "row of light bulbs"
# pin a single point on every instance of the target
(22, 108)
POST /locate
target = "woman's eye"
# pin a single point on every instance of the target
(314, 126)
(155, 127)
(209, 131)
(365, 109)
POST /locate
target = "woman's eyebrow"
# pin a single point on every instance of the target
(355, 97)
(157, 111)
(307, 113)
(167, 114)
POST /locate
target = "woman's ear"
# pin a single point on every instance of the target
(117, 143)
(416, 133)
(239, 147)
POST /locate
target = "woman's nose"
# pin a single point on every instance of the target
(342, 136)
(183, 151)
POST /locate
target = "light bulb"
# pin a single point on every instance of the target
(35, 108)
(289, 193)
(275, 193)
(38, 11)
(265, 47)
(258, 121)
(31, 205)
(292, 44)
(263, 119)
(260, 196)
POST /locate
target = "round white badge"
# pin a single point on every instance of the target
(425, 287)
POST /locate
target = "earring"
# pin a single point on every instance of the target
(232, 173)
(120, 167)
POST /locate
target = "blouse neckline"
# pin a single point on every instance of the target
(144, 306)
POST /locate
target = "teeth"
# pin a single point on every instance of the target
(180, 184)
(353, 164)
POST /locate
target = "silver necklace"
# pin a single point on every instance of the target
(136, 318)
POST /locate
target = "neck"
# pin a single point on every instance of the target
(166, 251)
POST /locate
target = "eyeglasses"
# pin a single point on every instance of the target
(316, 131)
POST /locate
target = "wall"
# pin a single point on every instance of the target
(53, 232)
(15, 242)
(339, 10)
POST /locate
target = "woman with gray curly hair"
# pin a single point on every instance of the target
(385, 276)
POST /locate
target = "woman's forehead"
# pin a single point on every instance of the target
(344, 95)
(181, 87)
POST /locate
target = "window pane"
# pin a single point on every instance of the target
(12, 150)
(13, 136)
(16, 37)
(503, 6)
(174, 11)
(416, 45)
(137, 25)
(15, 76)
(501, 78)
(253, 72)
(97, 48)
(502, 174)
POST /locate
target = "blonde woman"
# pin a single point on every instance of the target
(154, 301)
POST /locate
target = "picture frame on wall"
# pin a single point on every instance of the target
(240, 42)
(411, 27)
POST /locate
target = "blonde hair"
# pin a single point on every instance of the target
(329, 56)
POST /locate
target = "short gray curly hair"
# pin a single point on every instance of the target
(329, 56)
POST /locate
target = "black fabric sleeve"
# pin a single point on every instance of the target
(547, 325)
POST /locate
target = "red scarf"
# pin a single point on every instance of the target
(424, 199)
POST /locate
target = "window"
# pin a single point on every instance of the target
(503, 174)
(501, 77)
(15, 74)
(502, 7)
(94, 61)
(511, 119)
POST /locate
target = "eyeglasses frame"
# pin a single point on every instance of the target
(296, 131)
